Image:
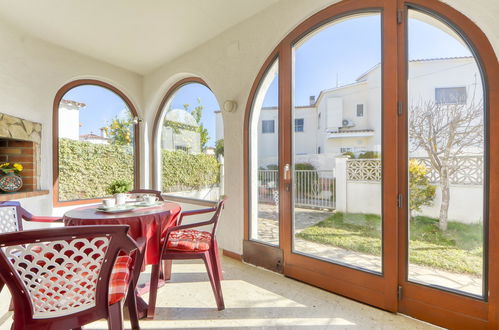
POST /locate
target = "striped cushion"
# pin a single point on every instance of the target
(120, 276)
(189, 240)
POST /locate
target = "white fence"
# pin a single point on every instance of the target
(312, 189)
(358, 188)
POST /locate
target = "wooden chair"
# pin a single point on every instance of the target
(64, 278)
(182, 242)
(157, 193)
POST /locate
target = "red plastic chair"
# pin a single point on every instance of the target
(182, 242)
(12, 214)
(157, 193)
(63, 278)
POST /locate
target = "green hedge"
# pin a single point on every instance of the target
(87, 169)
(184, 171)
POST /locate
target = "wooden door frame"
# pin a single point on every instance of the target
(440, 307)
(348, 281)
(375, 289)
(359, 285)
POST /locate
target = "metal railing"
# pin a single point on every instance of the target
(312, 189)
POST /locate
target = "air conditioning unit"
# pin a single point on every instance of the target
(348, 123)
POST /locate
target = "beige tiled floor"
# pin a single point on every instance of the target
(255, 299)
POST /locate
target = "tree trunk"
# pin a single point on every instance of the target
(444, 206)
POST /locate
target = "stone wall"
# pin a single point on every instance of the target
(19, 129)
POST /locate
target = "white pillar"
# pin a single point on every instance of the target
(341, 183)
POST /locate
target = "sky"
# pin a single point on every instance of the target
(342, 52)
(335, 56)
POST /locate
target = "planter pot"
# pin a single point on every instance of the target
(10, 182)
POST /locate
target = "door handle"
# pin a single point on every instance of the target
(287, 176)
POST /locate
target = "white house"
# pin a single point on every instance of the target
(348, 118)
(69, 117)
(93, 138)
(180, 132)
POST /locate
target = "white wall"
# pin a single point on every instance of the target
(229, 64)
(31, 73)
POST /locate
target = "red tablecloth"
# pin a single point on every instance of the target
(149, 222)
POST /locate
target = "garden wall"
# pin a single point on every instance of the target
(355, 196)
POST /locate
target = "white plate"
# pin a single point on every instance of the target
(144, 204)
(116, 209)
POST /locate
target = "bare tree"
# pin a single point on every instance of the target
(445, 131)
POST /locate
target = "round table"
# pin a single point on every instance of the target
(147, 222)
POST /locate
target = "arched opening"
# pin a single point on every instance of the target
(383, 116)
(95, 134)
(188, 142)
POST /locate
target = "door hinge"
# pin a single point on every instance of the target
(400, 200)
(400, 108)
(399, 16)
(399, 292)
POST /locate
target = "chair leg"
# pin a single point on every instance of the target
(214, 280)
(166, 270)
(217, 260)
(131, 302)
(153, 290)
(115, 317)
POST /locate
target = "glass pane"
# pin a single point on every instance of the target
(96, 143)
(446, 158)
(264, 221)
(191, 144)
(337, 143)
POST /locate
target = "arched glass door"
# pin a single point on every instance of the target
(337, 230)
(446, 220)
(385, 182)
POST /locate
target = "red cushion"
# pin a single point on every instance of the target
(189, 240)
(120, 275)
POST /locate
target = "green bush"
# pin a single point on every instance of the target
(421, 191)
(183, 171)
(370, 155)
(86, 170)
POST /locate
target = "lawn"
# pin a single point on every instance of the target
(459, 249)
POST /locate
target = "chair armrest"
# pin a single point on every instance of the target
(194, 212)
(43, 219)
(141, 244)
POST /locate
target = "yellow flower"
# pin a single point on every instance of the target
(4, 165)
(18, 167)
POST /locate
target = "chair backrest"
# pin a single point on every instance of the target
(11, 214)
(157, 193)
(216, 216)
(59, 272)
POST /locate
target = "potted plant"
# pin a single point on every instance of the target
(119, 188)
(10, 180)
